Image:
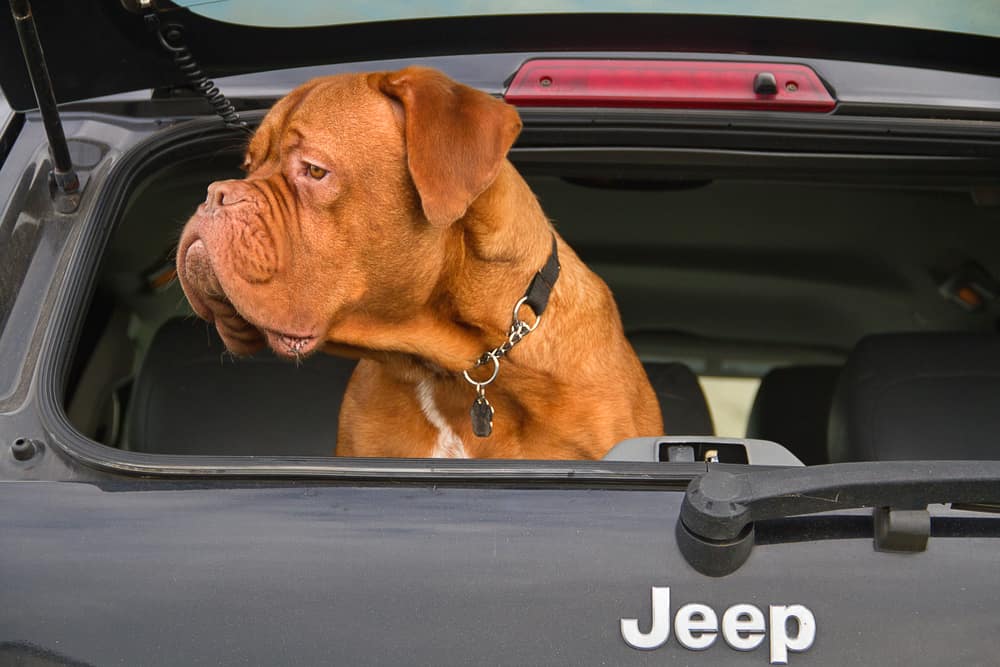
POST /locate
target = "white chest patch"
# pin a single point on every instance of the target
(448, 445)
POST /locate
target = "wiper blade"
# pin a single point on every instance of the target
(715, 529)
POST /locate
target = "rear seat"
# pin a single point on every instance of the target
(682, 401)
(191, 398)
(792, 408)
(918, 396)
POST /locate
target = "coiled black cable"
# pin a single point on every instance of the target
(172, 39)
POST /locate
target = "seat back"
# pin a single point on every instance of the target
(190, 397)
(918, 396)
(682, 401)
(792, 408)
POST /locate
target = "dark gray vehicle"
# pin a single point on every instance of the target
(808, 207)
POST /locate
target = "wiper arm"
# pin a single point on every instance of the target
(715, 530)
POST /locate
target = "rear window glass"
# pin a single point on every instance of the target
(972, 16)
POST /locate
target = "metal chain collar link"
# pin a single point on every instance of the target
(536, 298)
(518, 330)
(481, 411)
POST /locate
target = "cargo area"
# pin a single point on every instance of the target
(744, 297)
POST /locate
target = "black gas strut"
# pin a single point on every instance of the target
(63, 175)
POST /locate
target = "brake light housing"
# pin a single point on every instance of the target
(669, 84)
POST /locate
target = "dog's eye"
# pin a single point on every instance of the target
(315, 172)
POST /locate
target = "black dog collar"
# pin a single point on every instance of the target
(537, 296)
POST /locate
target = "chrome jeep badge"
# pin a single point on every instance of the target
(696, 627)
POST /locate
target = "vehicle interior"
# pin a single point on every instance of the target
(766, 284)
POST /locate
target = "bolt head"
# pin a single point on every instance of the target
(23, 449)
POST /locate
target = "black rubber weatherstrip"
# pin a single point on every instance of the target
(754, 130)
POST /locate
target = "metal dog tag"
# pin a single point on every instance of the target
(482, 417)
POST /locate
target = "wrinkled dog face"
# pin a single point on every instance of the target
(352, 182)
(273, 257)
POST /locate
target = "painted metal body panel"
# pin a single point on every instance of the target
(158, 573)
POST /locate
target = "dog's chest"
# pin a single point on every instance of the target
(448, 444)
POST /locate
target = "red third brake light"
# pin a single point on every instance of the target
(685, 84)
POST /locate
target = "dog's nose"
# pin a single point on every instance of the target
(224, 193)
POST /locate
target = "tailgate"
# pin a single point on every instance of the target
(162, 573)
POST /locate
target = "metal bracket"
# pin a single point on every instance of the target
(901, 530)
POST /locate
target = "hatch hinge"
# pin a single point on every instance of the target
(65, 182)
(901, 530)
(171, 38)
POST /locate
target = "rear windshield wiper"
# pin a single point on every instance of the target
(715, 531)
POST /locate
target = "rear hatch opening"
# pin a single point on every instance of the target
(730, 262)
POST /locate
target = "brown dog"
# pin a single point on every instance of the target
(380, 219)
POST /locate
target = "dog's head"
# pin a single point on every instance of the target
(351, 183)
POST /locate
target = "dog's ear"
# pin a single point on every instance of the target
(456, 138)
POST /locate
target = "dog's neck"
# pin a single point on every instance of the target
(497, 260)
(490, 263)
